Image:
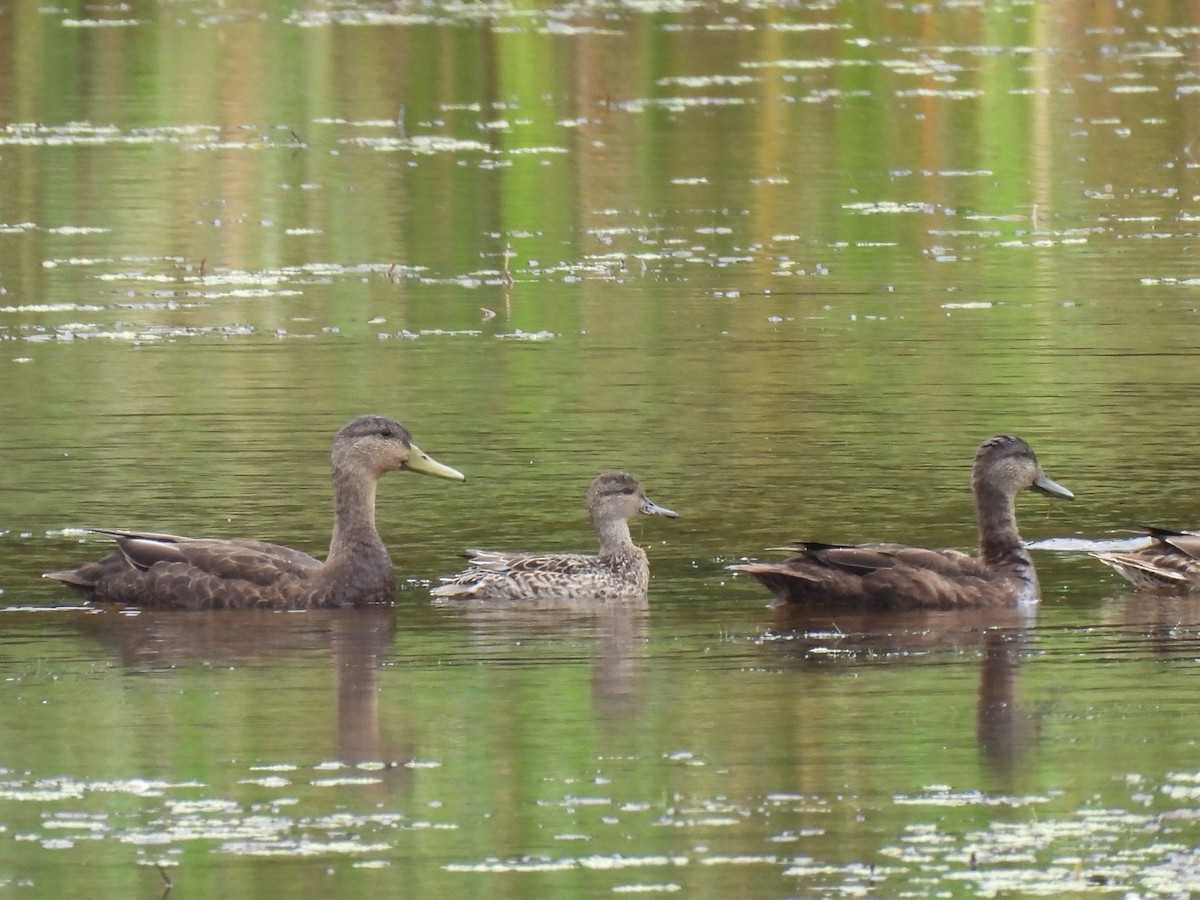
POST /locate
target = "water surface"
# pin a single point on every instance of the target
(787, 263)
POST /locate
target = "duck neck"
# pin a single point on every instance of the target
(614, 536)
(999, 542)
(354, 531)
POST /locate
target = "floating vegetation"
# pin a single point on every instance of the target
(942, 795)
(1042, 242)
(82, 133)
(890, 207)
(51, 307)
(310, 18)
(680, 104)
(548, 864)
(1051, 856)
(429, 332)
(76, 230)
(519, 335)
(809, 26)
(302, 848)
(147, 334)
(1112, 846)
(422, 144)
(344, 780)
(1165, 280)
(67, 788)
(706, 81)
(807, 64)
(967, 94)
(100, 23)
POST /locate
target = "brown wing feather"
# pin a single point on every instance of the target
(170, 571)
(544, 580)
(1170, 561)
(248, 561)
(154, 544)
(492, 562)
(1186, 543)
(564, 565)
(176, 585)
(883, 576)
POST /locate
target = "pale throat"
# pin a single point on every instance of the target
(614, 536)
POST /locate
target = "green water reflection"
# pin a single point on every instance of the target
(787, 263)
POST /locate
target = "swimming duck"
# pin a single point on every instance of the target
(620, 574)
(1171, 561)
(894, 576)
(169, 571)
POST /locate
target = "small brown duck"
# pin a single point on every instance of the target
(894, 576)
(172, 572)
(619, 575)
(1170, 562)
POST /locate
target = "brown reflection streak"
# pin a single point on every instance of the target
(617, 682)
(1004, 733)
(358, 644)
(356, 639)
(1168, 620)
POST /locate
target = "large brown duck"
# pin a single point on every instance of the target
(172, 572)
(894, 576)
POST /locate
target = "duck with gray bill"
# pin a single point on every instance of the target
(894, 576)
(620, 574)
(173, 572)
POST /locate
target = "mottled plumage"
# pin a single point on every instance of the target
(894, 576)
(173, 572)
(1171, 561)
(620, 574)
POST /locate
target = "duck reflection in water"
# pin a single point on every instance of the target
(1158, 626)
(356, 641)
(614, 637)
(1004, 732)
(894, 576)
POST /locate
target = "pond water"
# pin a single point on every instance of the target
(789, 263)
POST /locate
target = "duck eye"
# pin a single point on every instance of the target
(388, 433)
